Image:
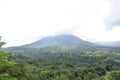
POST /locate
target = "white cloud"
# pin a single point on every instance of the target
(110, 35)
(22, 20)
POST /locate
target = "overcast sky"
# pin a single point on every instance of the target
(25, 21)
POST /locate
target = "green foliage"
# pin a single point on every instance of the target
(22, 71)
(115, 75)
(61, 77)
(64, 65)
(63, 62)
(1, 42)
(78, 78)
(91, 76)
(5, 66)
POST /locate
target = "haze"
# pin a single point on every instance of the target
(25, 21)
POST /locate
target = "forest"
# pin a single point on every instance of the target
(60, 63)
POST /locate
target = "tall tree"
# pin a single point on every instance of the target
(1, 42)
(5, 64)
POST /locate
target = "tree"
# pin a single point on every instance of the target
(115, 75)
(5, 64)
(1, 43)
(91, 76)
(78, 78)
(61, 77)
(22, 71)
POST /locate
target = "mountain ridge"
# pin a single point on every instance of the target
(60, 44)
(68, 40)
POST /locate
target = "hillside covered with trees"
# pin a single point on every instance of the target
(59, 60)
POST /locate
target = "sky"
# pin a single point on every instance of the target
(25, 21)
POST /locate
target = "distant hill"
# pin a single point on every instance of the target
(65, 40)
(113, 44)
(60, 44)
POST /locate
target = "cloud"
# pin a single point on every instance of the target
(113, 19)
(110, 35)
(112, 23)
(63, 15)
(92, 20)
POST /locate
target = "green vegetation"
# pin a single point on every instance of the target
(5, 65)
(60, 63)
(65, 65)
